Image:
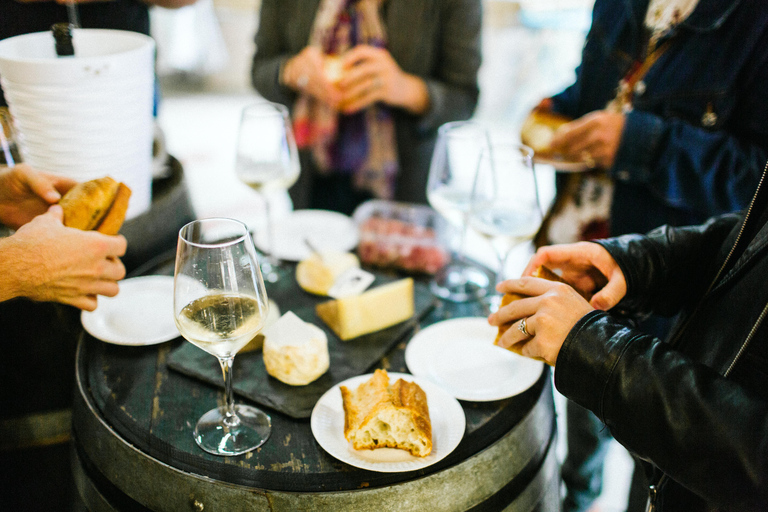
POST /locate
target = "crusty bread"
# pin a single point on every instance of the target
(538, 130)
(332, 68)
(377, 415)
(542, 272)
(98, 204)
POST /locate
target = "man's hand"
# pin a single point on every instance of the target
(26, 193)
(46, 261)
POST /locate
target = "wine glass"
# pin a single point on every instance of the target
(449, 189)
(505, 207)
(9, 150)
(267, 161)
(220, 304)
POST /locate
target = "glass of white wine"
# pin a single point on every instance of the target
(267, 160)
(220, 304)
(449, 190)
(505, 207)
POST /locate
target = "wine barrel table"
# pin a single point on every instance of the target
(134, 450)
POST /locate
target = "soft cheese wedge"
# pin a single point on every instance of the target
(371, 311)
(295, 352)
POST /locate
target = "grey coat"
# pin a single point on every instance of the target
(437, 40)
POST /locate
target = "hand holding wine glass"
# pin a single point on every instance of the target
(267, 161)
(505, 206)
(219, 305)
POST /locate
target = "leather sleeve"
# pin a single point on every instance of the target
(669, 265)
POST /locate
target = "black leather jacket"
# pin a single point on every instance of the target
(695, 406)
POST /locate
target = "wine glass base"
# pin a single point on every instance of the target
(461, 282)
(250, 432)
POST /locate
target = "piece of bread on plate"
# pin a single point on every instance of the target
(380, 415)
(99, 204)
(539, 129)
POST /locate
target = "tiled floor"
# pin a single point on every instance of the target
(521, 65)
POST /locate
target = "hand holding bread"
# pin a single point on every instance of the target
(549, 313)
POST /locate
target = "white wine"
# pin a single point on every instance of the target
(265, 176)
(452, 205)
(221, 323)
(504, 227)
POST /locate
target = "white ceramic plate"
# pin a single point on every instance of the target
(459, 356)
(446, 414)
(562, 165)
(326, 230)
(141, 314)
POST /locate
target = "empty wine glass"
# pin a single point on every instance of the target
(505, 206)
(267, 161)
(220, 304)
(449, 190)
(9, 149)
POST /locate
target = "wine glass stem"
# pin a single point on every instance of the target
(271, 264)
(270, 233)
(230, 418)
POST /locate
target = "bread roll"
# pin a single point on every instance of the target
(377, 415)
(98, 204)
(539, 129)
(332, 68)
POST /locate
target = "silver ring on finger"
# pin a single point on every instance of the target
(522, 327)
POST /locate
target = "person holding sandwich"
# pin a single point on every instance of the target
(44, 260)
(693, 408)
(50, 272)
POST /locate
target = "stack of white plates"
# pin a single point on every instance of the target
(85, 116)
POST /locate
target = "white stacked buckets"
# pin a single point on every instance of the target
(85, 116)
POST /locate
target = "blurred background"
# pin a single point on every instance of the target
(530, 50)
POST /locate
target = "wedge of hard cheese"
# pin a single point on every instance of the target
(376, 309)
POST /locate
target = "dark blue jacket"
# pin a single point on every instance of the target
(696, 142)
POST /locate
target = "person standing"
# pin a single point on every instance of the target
(694, 408)
(670, 108)
(367, 128)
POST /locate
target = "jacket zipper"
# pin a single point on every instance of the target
(653, 489)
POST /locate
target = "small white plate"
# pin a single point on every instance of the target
(445, 413)
(459, 356)
(141, 314)
(325, 230)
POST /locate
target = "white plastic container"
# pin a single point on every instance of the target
(89, 115)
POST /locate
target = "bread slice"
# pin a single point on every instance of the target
(538, 130)
(112, 222)
(99, 204)
(377, 415)
(86, 203)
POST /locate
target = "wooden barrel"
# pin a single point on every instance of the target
(133, 422)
